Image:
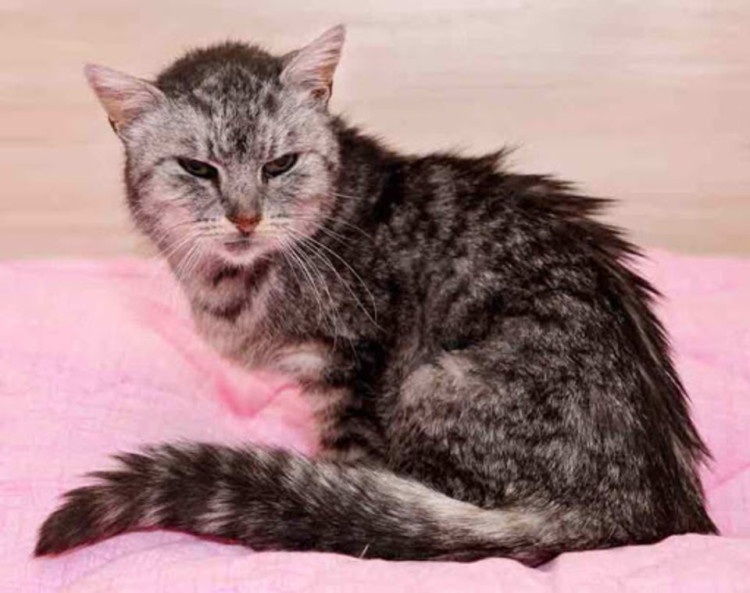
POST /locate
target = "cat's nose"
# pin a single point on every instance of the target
(244, 223)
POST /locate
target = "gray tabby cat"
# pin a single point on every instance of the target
(489, 377)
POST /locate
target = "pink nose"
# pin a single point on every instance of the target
(245, 224)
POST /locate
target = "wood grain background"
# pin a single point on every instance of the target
(645, 101)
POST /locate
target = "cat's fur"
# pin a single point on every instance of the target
(489, 376)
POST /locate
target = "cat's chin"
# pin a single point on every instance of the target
(242, 253)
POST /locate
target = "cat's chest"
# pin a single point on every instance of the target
(235, 320)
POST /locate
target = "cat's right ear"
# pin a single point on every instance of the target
(123, 97)
(310, 69)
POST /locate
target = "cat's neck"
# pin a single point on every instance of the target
(366, 173)
(362, 157)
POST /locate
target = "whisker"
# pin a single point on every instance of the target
(334, 235)
(318, 297)
(330, 313)
(315, 247)
(331, 233)
(335, 219)
(347, 196)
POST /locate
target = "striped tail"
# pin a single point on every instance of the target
(276, 500)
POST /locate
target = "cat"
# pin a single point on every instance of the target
(488, 375)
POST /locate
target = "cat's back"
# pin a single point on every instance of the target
(470, 220)
(522, 284)
(480, 195)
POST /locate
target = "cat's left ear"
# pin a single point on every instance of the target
(123, 97)
(310, 69)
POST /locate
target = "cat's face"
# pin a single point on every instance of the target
(226, 160)
(236, 181)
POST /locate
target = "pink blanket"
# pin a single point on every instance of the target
(100, 356)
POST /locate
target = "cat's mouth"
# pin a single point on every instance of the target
(242, 249)
(238, 246)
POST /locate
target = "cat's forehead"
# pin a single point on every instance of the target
(228, 67)
(238, 122)
(232, 105)
(235, 98)
(228, 78)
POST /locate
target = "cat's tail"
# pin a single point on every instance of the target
(276, 500)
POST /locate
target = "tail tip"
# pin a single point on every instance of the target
(73, 524)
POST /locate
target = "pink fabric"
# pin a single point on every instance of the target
(100, 356)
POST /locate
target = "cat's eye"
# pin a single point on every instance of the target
(198, 168)
(280, 165)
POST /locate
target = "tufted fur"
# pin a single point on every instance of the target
(489, 376)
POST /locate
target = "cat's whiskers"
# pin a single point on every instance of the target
(315, 247)
(346, 285)
(353, 226)
(167, 247)
(348, 196)
(335, 220)
(335, 318)
(334, 235)
(330, 312)
(296, 248)
(295, 256)
(284, 246)
(198, 257)
(285, 224)
(343, 261)
(291, 244)
(185, 265)
(171, 247)
(187, 250)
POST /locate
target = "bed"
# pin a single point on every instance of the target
(100, 356)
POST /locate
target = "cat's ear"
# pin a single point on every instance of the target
(124, 97)
(311, 68)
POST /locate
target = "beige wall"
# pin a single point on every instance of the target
(647, 101)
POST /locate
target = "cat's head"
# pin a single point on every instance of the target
(231, 152)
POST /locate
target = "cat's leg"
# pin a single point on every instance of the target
(447, 429)
(501, 425)
(344, 416)
(347, 426)
(492, 433)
